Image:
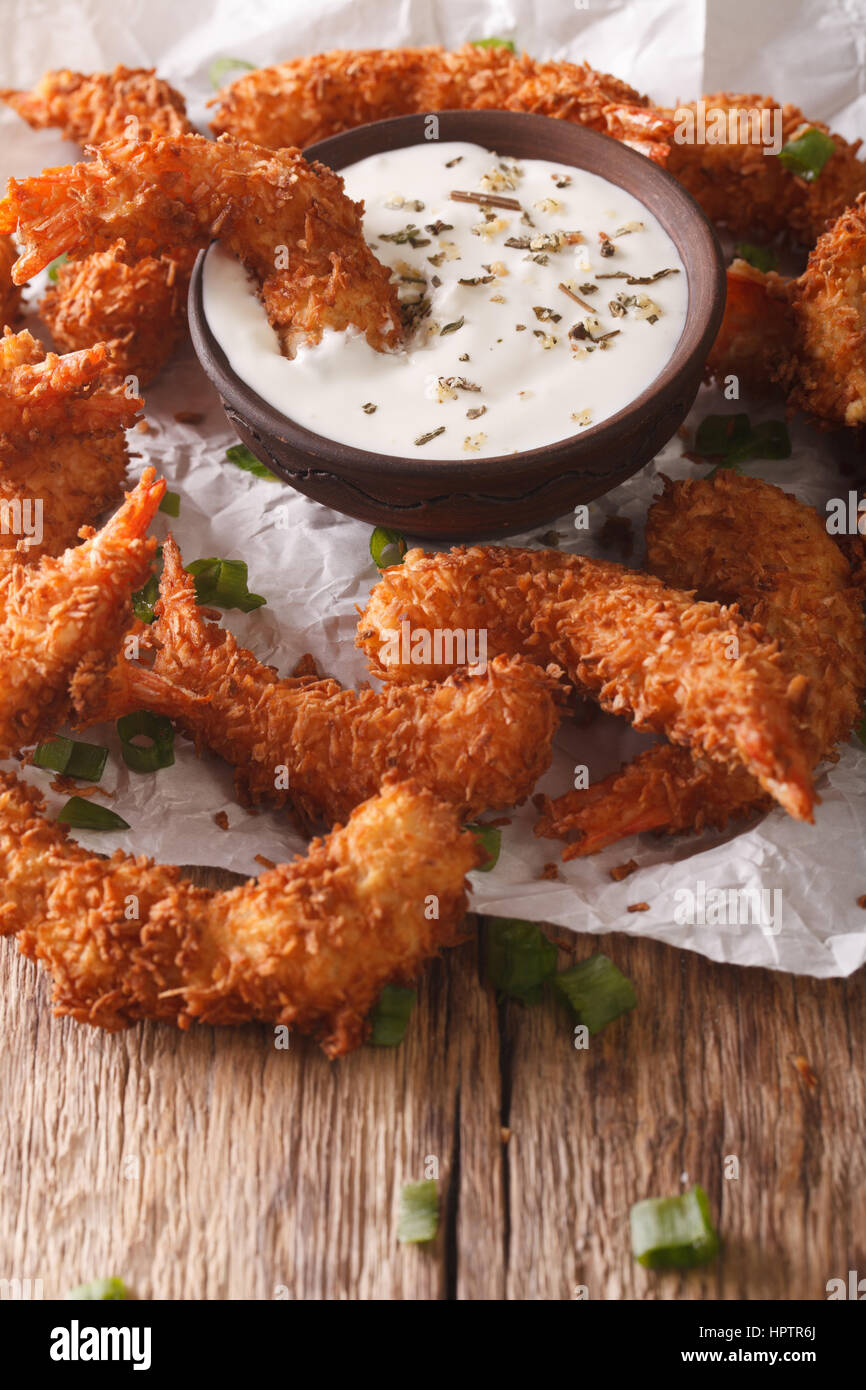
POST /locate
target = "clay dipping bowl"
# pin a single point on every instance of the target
(481, 497)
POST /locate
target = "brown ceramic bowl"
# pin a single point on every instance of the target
(470, 499)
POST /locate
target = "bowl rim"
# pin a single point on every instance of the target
(668, 200)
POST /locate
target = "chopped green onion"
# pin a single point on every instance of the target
(519, 958)
(81, 814)
(673, 1232)
(731, 439)
(100, 1288)
(387, 547)
(390, 1018)
(218, 69)
(490, 839)
(452, 327)
(597, 991)
(807, 154)
(761, 257)
(493, 43)
(144, 598)
(144, 724)
(54, 267)
(223, 584)
(170, 504)
(86, 761)
(419, 1212)
(244, 458)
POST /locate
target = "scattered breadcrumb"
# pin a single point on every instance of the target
(143, 427)
(189, 417)
(265, 862)
(617, 534)
(504, 1134)
(550, 871)
(68, 786)
(222, 820)
(861, 901)
(306, 665)
(622, 871)
(806, 1072)
(638, 907)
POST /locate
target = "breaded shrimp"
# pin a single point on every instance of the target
(749, 191)
(479, 741)
(307, 99)
(795, 582)
(60, 452)
(136, 306)
(289, 222)
(807, 334)
(62, 620)
(62, 394)
(92, 107)
(10, 294)
(697, 672)
(310, 944)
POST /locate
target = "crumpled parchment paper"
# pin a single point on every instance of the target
(314, 566)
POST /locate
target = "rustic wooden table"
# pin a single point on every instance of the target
(208, 1165)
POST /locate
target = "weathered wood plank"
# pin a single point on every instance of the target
(702, 1070)
(212, 1165)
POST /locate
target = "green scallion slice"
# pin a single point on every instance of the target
(390, 1018)
(223, 584)
(81, 814)
(144, 598)
(493, 43)
(761, 257)
(732, 439)
(54, 267)
(519, 958)
(170, 504)
(86, 761)
(144, 724)
(244, 458)
(419, 1212)
(104, 1289)
(807, 154)
(673, 1232)
(387, 547)
(597, 991)
(221, 66)
(490, 839)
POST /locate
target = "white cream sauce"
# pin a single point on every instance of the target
(526, 365)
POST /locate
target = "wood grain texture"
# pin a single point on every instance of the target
(211, 1165)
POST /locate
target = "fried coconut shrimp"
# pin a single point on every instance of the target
(696, 671)
(307, 99)
(289, 222)
(138, 306)
(808, 335)
(10, 294)
(63, 452)
(92, 107)
(309, 944)
(749, 191)
(479, 741)
(62, 620)
(791, 579)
